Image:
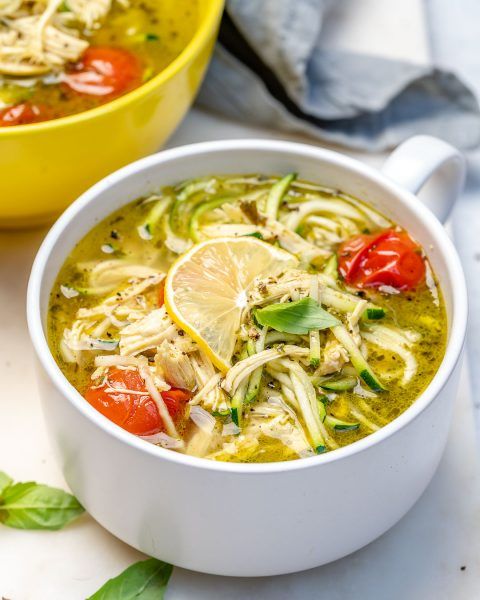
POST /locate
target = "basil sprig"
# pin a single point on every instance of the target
(144, 580)
(33, 505)
(296, 317)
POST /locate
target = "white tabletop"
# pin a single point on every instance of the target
(421, 558)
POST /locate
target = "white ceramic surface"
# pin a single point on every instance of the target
(143, 493)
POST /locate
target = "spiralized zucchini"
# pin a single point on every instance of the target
(292, 390)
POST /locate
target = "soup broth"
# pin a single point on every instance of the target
(111, 51)
(248, 319)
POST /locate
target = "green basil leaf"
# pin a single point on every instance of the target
(144, 580)
(296, 317)
(5, 482)
(35, 506)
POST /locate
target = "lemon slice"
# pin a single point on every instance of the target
(206, 289)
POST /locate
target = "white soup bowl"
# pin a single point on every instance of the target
(258, 519)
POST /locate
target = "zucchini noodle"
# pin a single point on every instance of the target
(313, 362)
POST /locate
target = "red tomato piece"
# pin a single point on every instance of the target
(22, 114)
(386, 258)
(161, 294)
(176, 399)
(137, 412)
(104, 72)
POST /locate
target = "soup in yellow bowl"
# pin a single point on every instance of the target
(86, 87)
(61, 57)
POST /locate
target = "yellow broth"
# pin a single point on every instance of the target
(414, 310)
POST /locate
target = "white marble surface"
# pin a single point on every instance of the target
(419, 559)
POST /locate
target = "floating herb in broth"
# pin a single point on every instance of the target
(248, 319)
(107, 49)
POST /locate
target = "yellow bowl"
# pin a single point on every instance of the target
(44, 167)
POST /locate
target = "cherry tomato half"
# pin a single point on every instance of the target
(22, 114)
(105, 72)
(386, 258)
(137, 413)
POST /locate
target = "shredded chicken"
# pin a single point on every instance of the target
(277, 420)
(353, 321)
(210, 386)
(121, 310)
(38, 36)
(9, 7)
(151, 331)
(294, 243)
(397, 341)
(210, 395)
(155, 394)
(106, 275)
(241, 445)
(272, 289)
(333, 358)
(175, 366)
(90, 12)
(200, 442)
(243, 368)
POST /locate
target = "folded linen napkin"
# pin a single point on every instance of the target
(270, 69)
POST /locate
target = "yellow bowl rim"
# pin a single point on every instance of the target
(204, 30)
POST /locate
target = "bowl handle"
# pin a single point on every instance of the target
(431, 165)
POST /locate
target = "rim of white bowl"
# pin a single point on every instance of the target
(65, 221)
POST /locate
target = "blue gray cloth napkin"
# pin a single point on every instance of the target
(270, 69)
